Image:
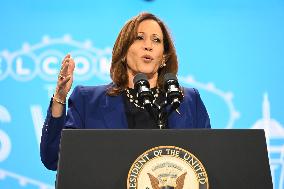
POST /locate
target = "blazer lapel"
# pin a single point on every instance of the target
(114, 112)
(180, 119)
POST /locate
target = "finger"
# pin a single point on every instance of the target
(67, 56)
(71, 66)
(64, 69)
(61, 77)
(66, 61)
(64, 81)
(64, 84)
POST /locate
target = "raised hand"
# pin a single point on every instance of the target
(64, 84)
(65, 78)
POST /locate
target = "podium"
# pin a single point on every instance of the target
(101, 159)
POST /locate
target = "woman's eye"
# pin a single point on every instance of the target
(139, 37)
(157, 40)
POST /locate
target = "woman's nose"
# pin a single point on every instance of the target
(148, 46)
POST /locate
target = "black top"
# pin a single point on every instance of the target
(137, 117)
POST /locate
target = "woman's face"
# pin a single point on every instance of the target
(146, 53)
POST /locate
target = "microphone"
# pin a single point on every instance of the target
(142, 86)
(173, 93)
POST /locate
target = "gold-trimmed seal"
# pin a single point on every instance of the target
(168, 167)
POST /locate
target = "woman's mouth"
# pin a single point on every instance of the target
(147, 58)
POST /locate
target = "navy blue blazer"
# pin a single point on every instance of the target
(92, 108)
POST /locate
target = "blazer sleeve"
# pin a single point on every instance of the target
(50, 139)
(203, 120)
(51, 131)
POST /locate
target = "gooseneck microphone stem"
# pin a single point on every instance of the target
(161, 120)
(162, 115)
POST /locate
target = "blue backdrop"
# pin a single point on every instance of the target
(232, 51)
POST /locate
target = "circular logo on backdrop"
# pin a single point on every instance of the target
(167, 167)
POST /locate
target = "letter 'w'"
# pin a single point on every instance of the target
(38, 120)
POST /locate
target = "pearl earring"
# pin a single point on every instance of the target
(123, 60)
(163, 64)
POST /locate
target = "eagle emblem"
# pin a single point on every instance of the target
(179, 182)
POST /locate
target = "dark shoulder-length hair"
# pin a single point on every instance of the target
(127, 35)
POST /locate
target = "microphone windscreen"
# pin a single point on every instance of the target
(140, 76)
(170, 76)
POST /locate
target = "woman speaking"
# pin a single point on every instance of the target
(145, 47)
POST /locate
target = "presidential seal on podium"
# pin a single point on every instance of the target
(167, 167)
